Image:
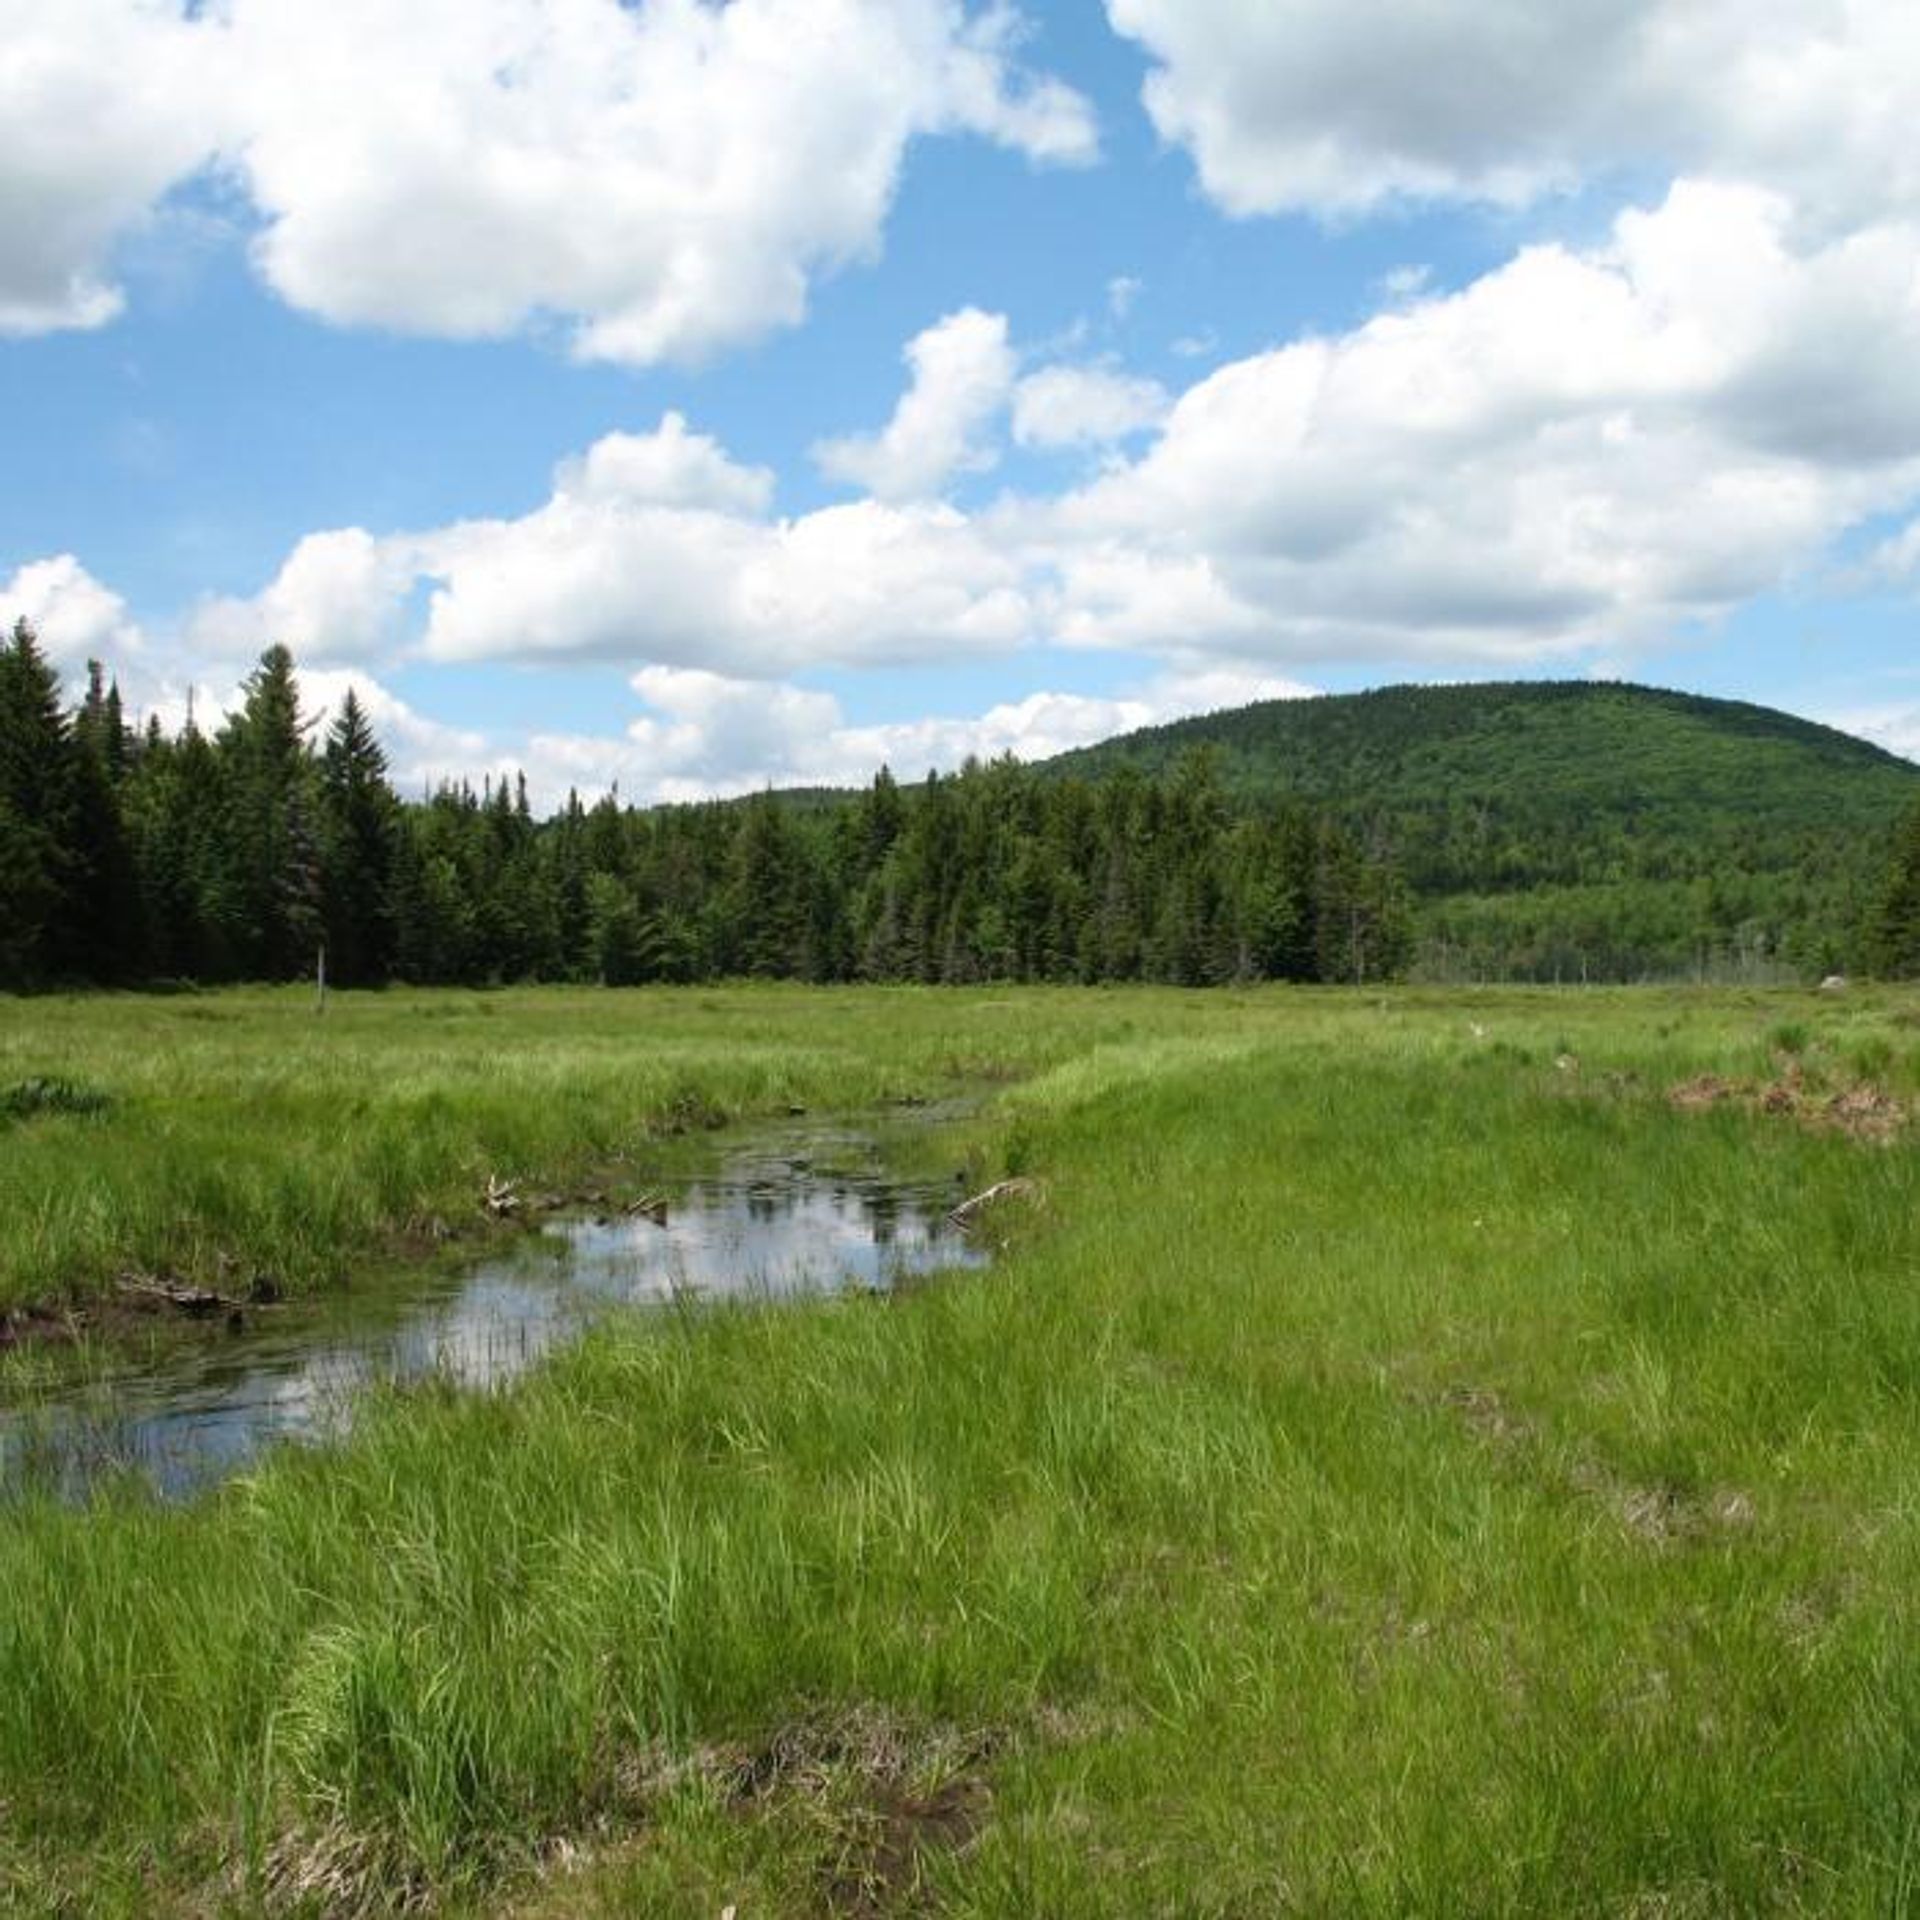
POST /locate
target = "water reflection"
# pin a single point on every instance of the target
(792, 1213)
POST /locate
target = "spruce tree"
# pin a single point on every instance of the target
(359, 825)
(40, 865)
(271, 892)
(109, 924)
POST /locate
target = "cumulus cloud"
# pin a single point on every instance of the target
(653, 547)
(421, 753)
(666, 178)
(705, 734)
(1895, 726)
(702, 732)
(74, 617)
(1581, 447)
(670, 467)
(1329, 108)
(674, 175)
(1585, 451)
(1084, 407)
(1582, 450)
(858, 584)
(338, 596)
(104, 105)
(962, 372)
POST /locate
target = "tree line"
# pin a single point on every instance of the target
(131, 857)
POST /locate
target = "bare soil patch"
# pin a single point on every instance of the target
(1861, 1111)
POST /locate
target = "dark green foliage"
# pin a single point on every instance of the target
(619, 949)
(1893, 933)
(1541, 831)
(359, 834)
(242, 857)
(108, 931)
(270, 892)
(41, 869)
(26, 1099)
(1570, 829)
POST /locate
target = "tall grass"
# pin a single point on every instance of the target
(1394, 1471)
(241, 1127)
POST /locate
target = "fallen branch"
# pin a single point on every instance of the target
(968, 1211)
(650, 1206)
(196, 1301)
(502, 1197)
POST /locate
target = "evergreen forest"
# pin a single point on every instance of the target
(128, 857)
(1535, 831)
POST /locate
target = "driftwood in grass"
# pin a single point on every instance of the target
(198, 1302)
(969, 1211)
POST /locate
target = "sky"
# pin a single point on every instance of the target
(689, 397)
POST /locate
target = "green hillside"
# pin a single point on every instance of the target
(1555, 829)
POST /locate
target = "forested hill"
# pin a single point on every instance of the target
(1558, 828)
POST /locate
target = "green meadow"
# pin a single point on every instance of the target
(1415, 1453)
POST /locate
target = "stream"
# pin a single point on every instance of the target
(803, 1209)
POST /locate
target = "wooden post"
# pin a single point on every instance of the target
(320, 982)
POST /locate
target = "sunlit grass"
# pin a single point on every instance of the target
(1403, 1465)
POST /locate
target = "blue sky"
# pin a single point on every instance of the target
(695, 397)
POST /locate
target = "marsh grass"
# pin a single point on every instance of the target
(241, 1128)
(1396, 1473)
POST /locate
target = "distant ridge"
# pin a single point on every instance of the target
(1554, 828)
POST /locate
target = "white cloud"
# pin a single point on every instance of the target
(1084, 406)
(1893, 726)
(652, 547)
(1135, 596)
(1044, 724)
(666, 178)
(1322, 106)
(104, 105)
(1578, 449)
(962, 372)
(670, 467)
(707, 735)
(1584, 452)
(74, 617)
(338, 596)
(857, 584)
(421, 753)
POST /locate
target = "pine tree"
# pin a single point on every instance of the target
(109, 924)
(767, 904)
(359, 827)
(271, 892)
(41, 871)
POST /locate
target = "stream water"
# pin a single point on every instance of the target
(805, 1209)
